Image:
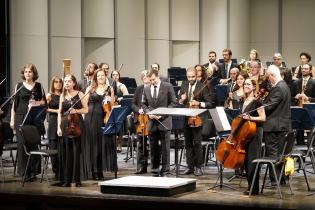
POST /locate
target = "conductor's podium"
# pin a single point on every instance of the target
(147, 185)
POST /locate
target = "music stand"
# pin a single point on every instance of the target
(223, 128)
(301, 119)
(35, 115)
(176, 112)
(310, 107)
(114, 123)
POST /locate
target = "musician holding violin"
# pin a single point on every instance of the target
(249, 103)
(72, 106)
(99, 95)
(194, 94)
(142, 127)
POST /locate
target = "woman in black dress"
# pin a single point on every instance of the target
(72, 106)
(97, 92)
(53, 107)
(253, 147)
(30, 94)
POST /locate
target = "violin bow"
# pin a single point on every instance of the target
(259, 108)
(6, 101)
(77, 101)
(3, 81)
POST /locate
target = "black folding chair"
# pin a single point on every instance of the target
(32, 139)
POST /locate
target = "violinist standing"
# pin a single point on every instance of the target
(193, 135)
(137, 108)
(94, 121)
(159, 94)
(278, 115)
(31, 94)
(72, 106)
(53, 98)
(253, 147)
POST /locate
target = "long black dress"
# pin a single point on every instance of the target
(94, 121)
(253, 147)
(21, 102)
(71, 164)
(52, 127)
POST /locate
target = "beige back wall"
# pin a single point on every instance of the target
(140, 32)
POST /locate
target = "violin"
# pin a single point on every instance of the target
(142, 128)
(107, 107)
(196, 121)
(73, 128)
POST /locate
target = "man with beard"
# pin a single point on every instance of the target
(194, 94)
(88, 76)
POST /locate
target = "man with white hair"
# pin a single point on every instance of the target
(278, 115)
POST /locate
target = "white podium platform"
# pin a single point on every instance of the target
(146, 185)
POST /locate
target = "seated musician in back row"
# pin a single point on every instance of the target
(195, 94)
(303, 91)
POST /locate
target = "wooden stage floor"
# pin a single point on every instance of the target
(36, 195)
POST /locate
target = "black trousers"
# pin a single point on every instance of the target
(274, 146)
(163, 137)
(253, 151)
(193, 146)
(142, 158)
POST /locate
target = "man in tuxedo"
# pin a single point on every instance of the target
(159, 94)
(193, 93)
(303, 91)
(137, 108)
(225, 67)
(278, 115)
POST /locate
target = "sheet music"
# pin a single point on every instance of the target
(224, 119)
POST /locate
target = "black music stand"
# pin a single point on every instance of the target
(114, 123)
(221, 94)
(35, 115)
(184, 112)
(223, 129)
(302, 119)
(310, 107)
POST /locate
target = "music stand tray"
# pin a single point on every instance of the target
(115, 120)
(301, 118)
(187, 112)
(35, 115)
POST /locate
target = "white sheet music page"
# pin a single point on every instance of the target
(224, 120)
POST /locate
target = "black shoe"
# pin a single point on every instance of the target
(188, 171)
(30, 178)
(66, 184)
(155, 174)
(95, 176)
(164, 173)
(100, 175)
(198, 172)
(78, 184)
(141, 171)
(247, 192)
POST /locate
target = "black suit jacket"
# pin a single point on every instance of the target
(222, 72)
(166, 98)
(278, 115)
(206, 95)
(137, 100)
(297, 88)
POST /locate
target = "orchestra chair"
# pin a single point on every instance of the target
(301, 152)
(131, 138)
(209, 141)
(9, 144)
(271, 163)
(31, 138)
